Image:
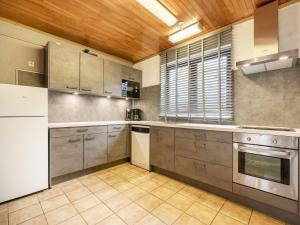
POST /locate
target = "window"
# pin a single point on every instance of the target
(196, 80)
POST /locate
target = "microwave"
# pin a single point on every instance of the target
(130, 89)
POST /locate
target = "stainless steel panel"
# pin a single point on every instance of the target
(267, 140)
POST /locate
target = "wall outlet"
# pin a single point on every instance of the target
(31, 63)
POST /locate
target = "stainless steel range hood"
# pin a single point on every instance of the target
(266, 51)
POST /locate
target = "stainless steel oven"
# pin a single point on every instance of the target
(266, 162)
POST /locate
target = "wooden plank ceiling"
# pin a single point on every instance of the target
(122, 27)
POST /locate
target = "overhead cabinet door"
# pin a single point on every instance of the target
(112, 78)
(91, 74)
(63, 67)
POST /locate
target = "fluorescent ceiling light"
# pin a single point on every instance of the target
(186, 32)
(159, 10)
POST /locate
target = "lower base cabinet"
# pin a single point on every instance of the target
(95, 150)
(66, 155)
(117, 145)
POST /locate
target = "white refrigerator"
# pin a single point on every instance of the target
(23, 141)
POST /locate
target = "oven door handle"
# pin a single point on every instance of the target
(284, 154)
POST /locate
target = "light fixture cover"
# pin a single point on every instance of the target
(186, 32)
(159, 11)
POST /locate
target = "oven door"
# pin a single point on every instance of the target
(272, 170)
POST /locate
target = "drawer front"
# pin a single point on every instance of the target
(66, 155)
(117, 146)
(213, 152)
(204, 135)
(117, 128)
(215, 175)
(95, 149)
(65, 132)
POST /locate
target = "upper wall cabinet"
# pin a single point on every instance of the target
(91, 74)
(63, 67)
(131, 74)
(112, 78)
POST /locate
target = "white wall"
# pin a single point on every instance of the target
(243, 42)
(150, 68)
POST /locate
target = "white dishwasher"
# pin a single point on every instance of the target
(140, 146)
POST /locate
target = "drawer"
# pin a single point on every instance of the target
(204, 135)
(213, 152)
(70, 131)
(215, 175)
(117, 127)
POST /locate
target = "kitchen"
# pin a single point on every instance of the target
(149, 112)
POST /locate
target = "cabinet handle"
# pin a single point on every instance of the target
(74, 140)
(117, 128)
(83, 89)
(199, 166)
(82, 130)
(112, 135)
(90, 139)
(108, 92)
(72, 88)
(203, 146)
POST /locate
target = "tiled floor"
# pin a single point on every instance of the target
(124, 195)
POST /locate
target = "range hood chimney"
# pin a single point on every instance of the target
(266, 51)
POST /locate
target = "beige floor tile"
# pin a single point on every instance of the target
(123, 186)
(167, 213)
(236, 211)
(149, 202)
(50, 193)
(22, 203)
(191, 192)
(112, 180)
(105, 175)
(112, 220)
(135, 193)
(148, 185)
(149, 220)
(78, 193)
(106, 193)
(202, 213)
(187, 220)
(39, 220)
(180, 202)
(163, 193)
(128, 174)
(100, 185)
(4, 217)
(161, 179)
(54, 203)
(226, 220)
(89, 180)
(138, 180)
(132, 213)
(86, 202)
(213, 201)
(258, 218)
(96, 214)
(174, 185)
(61, 214)
(70, 185)
(25, 214)
(76, 220)
(117, 202)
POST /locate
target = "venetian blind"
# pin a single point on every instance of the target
(196, 80)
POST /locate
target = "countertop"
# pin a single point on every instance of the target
(214, 127)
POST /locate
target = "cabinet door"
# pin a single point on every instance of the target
(129, 73)
(66, 155)
(162, 147)
(117, 145)
(112, 78)
(95, 149)
(91, 74)
(63, 67)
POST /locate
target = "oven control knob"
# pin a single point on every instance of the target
(275, 141)
(248, 138)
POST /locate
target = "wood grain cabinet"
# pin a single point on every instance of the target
(63, 67)
(117, 143)
(91, 74)
(162, 147)
(112, 78)
(66, 155)
(95, 150)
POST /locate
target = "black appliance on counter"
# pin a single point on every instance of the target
(133, 114)
(130, 89)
